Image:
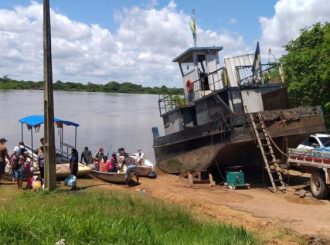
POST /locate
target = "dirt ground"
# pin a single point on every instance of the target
(276, 218)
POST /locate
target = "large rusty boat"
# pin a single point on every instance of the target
(210, 127)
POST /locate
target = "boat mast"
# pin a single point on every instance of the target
(49, 135)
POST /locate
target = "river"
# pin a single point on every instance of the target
(106, 120)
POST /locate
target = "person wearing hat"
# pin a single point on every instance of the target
(3, 156)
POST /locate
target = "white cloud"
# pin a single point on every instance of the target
(290, 17)
(140, 50)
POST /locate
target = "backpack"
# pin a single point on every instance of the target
(20, 152)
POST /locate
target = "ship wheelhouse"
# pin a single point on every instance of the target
(214, 93)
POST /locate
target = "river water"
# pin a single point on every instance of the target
(106, 120)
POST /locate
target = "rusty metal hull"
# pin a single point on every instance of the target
(235, 145)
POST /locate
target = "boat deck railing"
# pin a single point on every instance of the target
(268, 74)
(65, 150)
(170, 102)
(62, 154)
(208, 83)
(217, 80)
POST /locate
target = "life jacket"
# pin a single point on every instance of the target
(190, 86)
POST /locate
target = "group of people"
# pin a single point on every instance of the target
(19, 164)
(117, 162)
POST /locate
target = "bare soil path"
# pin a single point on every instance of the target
(278, 217)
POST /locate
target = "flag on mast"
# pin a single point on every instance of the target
(193, 27)
(257, 60)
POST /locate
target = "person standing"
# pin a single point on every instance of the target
(19, 149)
(41, 163)
(131, 169)
(86, 155)
(19, 171)
(74, 165)
(3, 156)
(99, 155)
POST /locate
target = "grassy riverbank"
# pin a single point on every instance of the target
(110, 217)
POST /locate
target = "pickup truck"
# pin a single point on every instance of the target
(315, 141)
(313, 155)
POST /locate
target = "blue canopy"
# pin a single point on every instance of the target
(36, 120)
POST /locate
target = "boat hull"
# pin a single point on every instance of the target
(235, 146)
(62, 171)
(147, 169)
(111, 177)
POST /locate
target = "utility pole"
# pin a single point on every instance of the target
(49, 135)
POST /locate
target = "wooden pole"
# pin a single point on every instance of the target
(49, 135)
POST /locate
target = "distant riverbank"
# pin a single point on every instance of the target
(110, 87)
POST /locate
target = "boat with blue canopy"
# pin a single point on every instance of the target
(64, 150)
(35, 121)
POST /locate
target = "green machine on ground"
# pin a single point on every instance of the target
(235, 178)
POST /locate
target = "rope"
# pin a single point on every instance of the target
(216, 161)
(271, 139)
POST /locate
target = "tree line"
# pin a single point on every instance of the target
(110, 87)
(307, 68)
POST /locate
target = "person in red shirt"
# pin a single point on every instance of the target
(112, 163)
(103, 165)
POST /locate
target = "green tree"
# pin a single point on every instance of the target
(112, 87)
(307, 68)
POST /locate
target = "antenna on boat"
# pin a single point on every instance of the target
(49, 134)
(270, 54)
(193, 27)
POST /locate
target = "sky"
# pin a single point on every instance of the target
(135, 41)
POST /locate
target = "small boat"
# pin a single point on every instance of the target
(113, 177)
(62, 153)
(63, 170)
(146, 168)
